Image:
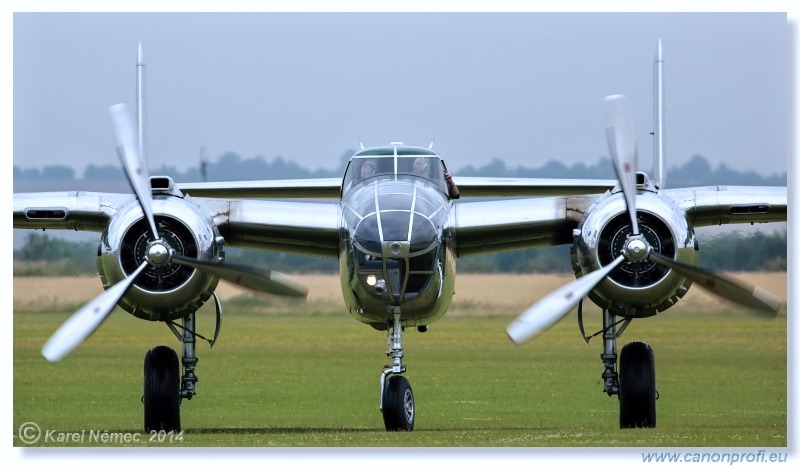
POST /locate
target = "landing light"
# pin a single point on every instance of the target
(371, 280)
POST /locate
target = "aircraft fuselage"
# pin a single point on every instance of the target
(396, 250)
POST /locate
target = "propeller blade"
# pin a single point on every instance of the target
(738, 291)
(553, 307)
(249, 277)
(86, 320)
(138, 176)
(621, 137)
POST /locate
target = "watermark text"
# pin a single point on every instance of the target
(730, 457)
(30, 433)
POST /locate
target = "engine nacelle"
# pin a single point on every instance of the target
(168, 291)
(635, 288)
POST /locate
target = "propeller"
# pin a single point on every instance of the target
(756, 298)
(137, 173)
(553, 307)
(266, 281)
(87, 319)
(621, 139)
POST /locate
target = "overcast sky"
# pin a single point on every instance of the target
(524, 87)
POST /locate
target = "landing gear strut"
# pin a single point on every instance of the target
(164, 388)
(397, 398)
(635, 384)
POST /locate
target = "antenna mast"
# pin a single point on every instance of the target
(141, 105)
(659, 143)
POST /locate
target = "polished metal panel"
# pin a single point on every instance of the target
(84, 211)
(497, 225)
(303, 228)
(720, 205)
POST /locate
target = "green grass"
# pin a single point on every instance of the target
(312, 380)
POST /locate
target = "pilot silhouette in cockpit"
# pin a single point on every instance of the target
(367, 169)
(420, 168)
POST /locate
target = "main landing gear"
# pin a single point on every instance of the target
(164, 387)
(635, 383)
(397, 398)
(161, 399)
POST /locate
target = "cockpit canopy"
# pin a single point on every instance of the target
(400, 162)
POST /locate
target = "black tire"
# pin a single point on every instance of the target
(637, 386)
(162, 399)
(398, 405)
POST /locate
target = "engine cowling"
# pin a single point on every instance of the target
(169, 290)
(636, 288)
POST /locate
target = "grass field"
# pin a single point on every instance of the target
(287, 374)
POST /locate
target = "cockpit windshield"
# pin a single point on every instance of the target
(397, 162)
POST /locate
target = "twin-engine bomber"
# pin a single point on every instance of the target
(397, 225)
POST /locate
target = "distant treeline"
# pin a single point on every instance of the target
(232, 167)
(43, 254)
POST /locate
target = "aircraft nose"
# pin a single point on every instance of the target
(396, 234)
(405, 232)
(398, 219)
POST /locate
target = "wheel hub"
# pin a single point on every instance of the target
(408, 405)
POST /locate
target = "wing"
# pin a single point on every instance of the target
(543, 215)
(531, 187)
(720, 205)
(498, 225)
(331, 187)
(322, 188)
(483, 227)
(77, 211)
(304, 227)
(311, 228)
(298, 227)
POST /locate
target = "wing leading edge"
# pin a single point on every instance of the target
(320, 188)
(531, 187)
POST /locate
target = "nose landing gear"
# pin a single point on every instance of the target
(397, 398)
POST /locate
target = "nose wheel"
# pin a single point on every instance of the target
(398, 405)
